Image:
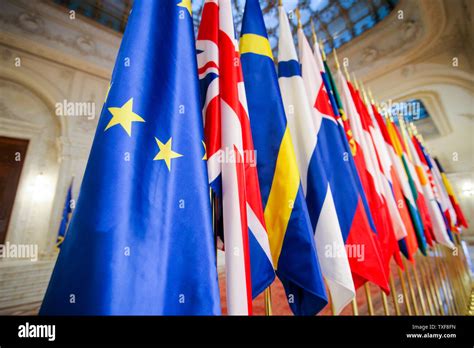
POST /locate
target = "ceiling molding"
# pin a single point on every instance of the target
(394, 43)
(44, 29)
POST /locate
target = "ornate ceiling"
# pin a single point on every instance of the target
(336, 21)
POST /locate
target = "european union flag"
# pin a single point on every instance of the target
(140, 241)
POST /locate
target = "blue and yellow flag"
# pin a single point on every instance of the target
(286, 216)
(140, 241)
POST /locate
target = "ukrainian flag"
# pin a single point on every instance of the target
(286, 215)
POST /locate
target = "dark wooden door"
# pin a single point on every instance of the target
(12, 157)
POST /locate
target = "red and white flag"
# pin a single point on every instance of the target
(421, 199)
(386, 171)
(231, 158)
(370, 171)
(401, 190)
(427, 182)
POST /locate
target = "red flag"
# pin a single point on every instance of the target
(369, 166)
(401, 190)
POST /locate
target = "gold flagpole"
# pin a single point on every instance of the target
(370, 305)
(420, 292)
(268, 301)
(449, 284)
(336, 60)
(453, 281)
(321, 49)
(426, 288)
(298, 16)
(355, 309)
(442, 292)
(333, 311)
(464, 266)
(356, 83)
(464, 278)
(385, 303)
(313, 32)
(463, 295)
(444, 288)
(458, 291)
(405, 291)
(393, 290)
(346, 72)
(410, 286)
(444, 282)
(434, 284)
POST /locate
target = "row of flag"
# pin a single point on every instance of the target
(336, 192)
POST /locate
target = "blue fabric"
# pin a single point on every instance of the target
(140, 241)
(65, 217)
(289, 68)
(298, 266)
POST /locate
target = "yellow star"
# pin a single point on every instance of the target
(205, 151)
(124, 116)
(166, 153)
(187, 5)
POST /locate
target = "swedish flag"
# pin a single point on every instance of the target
(140, 241)
(286, 216)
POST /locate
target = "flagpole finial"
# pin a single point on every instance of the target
(364, 93)
(401, 121)
(355, 81)
(372, 100)
(321, 48)
(338, 67)
(298, 16)
(313, 31)
(346, 72)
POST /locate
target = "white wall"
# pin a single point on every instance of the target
(47, 58)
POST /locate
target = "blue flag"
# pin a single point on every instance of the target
(65, 217)
(140, 241)
(286, 216)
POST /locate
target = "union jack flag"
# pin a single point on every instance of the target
(231, 158)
